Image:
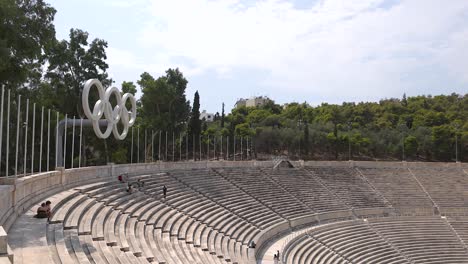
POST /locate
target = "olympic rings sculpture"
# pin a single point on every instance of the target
(103, 106)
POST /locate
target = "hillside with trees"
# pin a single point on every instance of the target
(413, 128)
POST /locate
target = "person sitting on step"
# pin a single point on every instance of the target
(129, 188)
(42, 211)
(48, 208)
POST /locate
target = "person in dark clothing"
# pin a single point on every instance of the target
(252, 244)
(141, 183)
(42, 211)
(164, 191)
(48, 207)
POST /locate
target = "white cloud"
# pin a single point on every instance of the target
(335, 47)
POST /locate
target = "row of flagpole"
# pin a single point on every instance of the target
(217, 147)
(6, 161)
(19, 124)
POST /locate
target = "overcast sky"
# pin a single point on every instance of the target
(315, 51)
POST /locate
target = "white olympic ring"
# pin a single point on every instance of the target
(102, 106)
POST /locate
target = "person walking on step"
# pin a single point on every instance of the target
(275, 259)
(164, 191)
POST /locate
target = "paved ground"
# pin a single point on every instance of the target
(31, 249)
(279, 244)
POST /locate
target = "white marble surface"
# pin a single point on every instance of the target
(33, 247)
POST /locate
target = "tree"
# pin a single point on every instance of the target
(129, 87)
(404, 101)
(244, 130)
(411, 146)
(222, 116)
(179, 107)
(26, 31)
(71, 64)
(442, 142)
(164, 105)
(306, 138)
(195, 123)
(332, 114)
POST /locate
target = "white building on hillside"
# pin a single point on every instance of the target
(207, 116)
(256, 101)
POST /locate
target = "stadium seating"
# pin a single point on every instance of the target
(446, 186)
(211, 215)
(399, 188)
(380, 240)
(348, 187)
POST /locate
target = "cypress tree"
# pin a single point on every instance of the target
(306, 138)
(195, 124)
(222, 117)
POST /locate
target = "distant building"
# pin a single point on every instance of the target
(256, 101)
(241, 102)
(207, 116)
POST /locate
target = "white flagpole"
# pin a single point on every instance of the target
(81, 137)
(73, 142)
(138, 145)
(65, 143)
(7, 137)
(18, 127)
(56, 141)
(32, 139)
(26, 136)
(144, 156)
(42, 137)
(1, 125)
(131, 151)
(48, 141)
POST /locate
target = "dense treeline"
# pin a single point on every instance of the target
(413, 128)
(51, 73)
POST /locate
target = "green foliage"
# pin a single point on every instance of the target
(164, 105)
(424, 125)
(411, 146)
(442, 138)
(129, 87)
(195, 123)
(222, 117)
(26, 31)
(244, 130)
(71, 64)
(119, 156)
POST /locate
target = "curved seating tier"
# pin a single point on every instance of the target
(212, 215)
(446, 186)
(379, 240)
(348, 186)
(398, 186)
